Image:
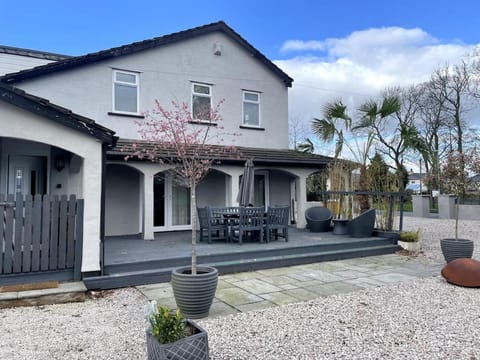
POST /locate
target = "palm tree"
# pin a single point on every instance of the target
(336, 120)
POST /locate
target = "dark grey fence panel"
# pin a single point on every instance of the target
(8, 244)
(54, 233)
(36, 231)
(3, 206)
(71, 232)
(62, 245)
(45, 247)
(27, 231)
(40, 233)
(77, 268)
(18, 245)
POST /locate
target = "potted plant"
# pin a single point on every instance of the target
(455, 177)
(188, 145)
(170, 336)
(410, 240)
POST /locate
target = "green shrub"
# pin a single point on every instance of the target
(166, 326)
(410, 236)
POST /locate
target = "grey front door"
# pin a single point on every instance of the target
(27, 174)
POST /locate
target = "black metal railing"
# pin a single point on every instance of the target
(346, 205)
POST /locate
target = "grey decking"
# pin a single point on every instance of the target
(133, 261)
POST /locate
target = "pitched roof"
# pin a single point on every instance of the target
(32, 53)
(43, 107)
(264, 157)
(145, 45)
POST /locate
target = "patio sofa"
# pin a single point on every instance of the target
(362, 225)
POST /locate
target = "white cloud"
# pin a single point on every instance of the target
(361, 65)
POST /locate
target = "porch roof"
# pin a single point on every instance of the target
(45, 108)
(77, 61)
(260, 156)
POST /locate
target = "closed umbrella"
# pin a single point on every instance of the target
(246, 192)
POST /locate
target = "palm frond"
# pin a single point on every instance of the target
(336, 110)
(390, 105)
(307, 147)
(324, 129)
(369, 109)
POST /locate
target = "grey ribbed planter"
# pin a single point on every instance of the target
(193, 347)
(194, 293)
(456, 249)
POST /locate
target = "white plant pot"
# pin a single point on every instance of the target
(409, 246)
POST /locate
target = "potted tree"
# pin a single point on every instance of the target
(456, 179)
(170, 336)
(188, 146)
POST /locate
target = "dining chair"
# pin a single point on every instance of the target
(250, 222)
(275, 221)
(211, 226)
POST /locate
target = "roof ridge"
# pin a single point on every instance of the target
(144, 45)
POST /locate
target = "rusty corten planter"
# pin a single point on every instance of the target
(463, 272)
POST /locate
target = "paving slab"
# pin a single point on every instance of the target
(255, 306)
(301, 294)
(278, 280)
(271, 287)
(393, 277)
(257, 287)
(334, 288)
(236, 296)
(280, 298)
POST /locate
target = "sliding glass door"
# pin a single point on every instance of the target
(171, 204)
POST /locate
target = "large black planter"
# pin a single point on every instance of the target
(194, 293)
(456, 249)
(192, 347)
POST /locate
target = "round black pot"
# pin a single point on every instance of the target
(194, 293)
(456, 249)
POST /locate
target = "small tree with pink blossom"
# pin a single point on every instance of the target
(187, 146)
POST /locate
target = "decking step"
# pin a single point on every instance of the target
(150, 276)
(251, 254)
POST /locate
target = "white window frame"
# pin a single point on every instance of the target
(210, 87)
(136, 85)
(244, 92)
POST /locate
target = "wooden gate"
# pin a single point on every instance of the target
(41, 235)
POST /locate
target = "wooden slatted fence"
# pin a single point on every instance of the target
(40, 233)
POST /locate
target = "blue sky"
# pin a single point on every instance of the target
(77, 27)
(349, 49)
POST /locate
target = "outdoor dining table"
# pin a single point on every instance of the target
(231, 218)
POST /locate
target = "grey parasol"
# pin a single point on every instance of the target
(246, 192)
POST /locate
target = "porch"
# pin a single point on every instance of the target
(129, 260)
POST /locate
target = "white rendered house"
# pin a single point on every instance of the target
(80, 112)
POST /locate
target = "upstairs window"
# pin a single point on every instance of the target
(125, 92)
(251, 108)
(201, 101)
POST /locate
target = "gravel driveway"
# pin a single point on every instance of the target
(424, 319)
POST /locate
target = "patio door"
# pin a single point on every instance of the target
(27, 175)
(171, 204)
(261, 186)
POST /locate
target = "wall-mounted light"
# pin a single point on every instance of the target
(217, 49)
(59, 163)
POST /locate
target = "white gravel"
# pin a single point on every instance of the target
(424, 319)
